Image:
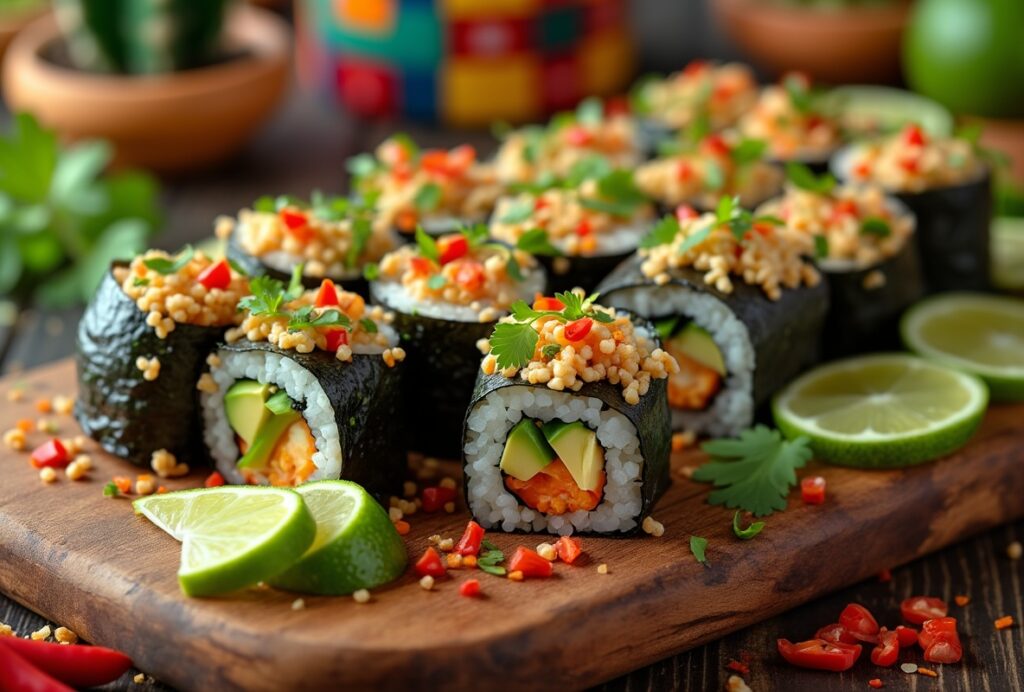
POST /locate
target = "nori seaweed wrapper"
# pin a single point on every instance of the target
(953, 234)
(365, 395)
(253, 266)
(862, 319)
(129, 416)
(442, 361)
(584, 272)
(784, 333)
(650, 417)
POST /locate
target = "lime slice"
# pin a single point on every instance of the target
(882, 411)
(1008, 252)
(356, 546)
(973, 332)
(231, 536)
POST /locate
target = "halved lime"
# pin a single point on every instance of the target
(882, 411)
(231, 536)
(356, 546)
(1008, 252)
(974, 332)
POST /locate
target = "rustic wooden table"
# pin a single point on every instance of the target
(305, 148)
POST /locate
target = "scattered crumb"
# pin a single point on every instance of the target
(5, 630)
(41, 633)
(687, 471)
(682, 440)
(45, 425)
(602, 568)
(44, 405)
(434, 539)
(395, 514)
(449, 507)
(15, 395)
(427, 583)
(1004, 622)
(653, 527)
(408, 508)
(736, 684)
(213, 360)
(874, 279)
(144, 484)
(515, 575)
(47, 474)
(447, 482)
(298, 604)
(908, 668)
(547, 551)
(150, 368)
(961, 600)
(166, 464)
(77, 469)
(454, 560)
(361, 596)
(15, 439)
(65, 636)
(207, 384)
(393, 501)
(63, 405)
(139, 678)
(1014, 550)
(469, 561)
(446, 544)
(927, 671)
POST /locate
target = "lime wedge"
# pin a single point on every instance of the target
(977, 333)
(1008, 253)
(882, 411)
(231, 536)
(356, 545)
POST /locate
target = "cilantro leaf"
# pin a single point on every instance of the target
(165, 266)
(513, 344)
(490, 569)
(695, 239)
(875, 226)
(573, 309)
(820, 246)
(522, 312)
(804, 178)
(140, 282)
(714, 176)
(371, 271)
(799, 93)
(305, 318)
(699, 546)
(369, 326)
(747, 533)
(550, 351)
(755, 471)
(362, 229)
(427, 245)
(295, 287)
(476, 235)
(518, 211)
(428, 197)
(663, 233)
(266, 296)
(536, 242)
(362, 165)
(512, 268)
(594, 166)
(619, 185)
(265, 204)
(111, 490)
(613, 207)
(748, 151)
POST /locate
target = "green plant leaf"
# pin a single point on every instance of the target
(427, 245)
(10, 264)
(699, 546)
(663, 233)
(820, 246)
(165, 266)
(75, 177)
(748, 151)
(28, 158)
(362, 229)
(513, 344)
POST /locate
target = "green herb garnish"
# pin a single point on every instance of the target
(362, 229)
(619, 195)
(518, 211)
(748, 151)
(427, 245)
(490, 558)
(799, 93)
(804, 178)
(269, 294)
(537, 242)
(236, 267)
(362, 165)
(164, 266)
(666, 327)
(747, 533)
(371, 271)
(699, 546)
(755, 471)
(306, 318)
(590, 111)
(820, 246)
(550, 351)
(876, 227)
(436, 282)
(369, 326)
(664, 232)
(111, 490)
(140, 282)
(428, 197)
(714, 176)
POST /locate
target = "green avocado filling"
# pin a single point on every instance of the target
(701, 364)
(260, 415)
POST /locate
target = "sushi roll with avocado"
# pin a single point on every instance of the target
(437, 190)
(864, 241)
(700, 173)
(580, 227)
(306, 388)
(142, 346)
(446, 295)
(792, 118)
(330, 237)
(568, 430)
(735, 301)
(537, 152)
(947, 185)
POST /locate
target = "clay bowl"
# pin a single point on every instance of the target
(166, 123)
(835, 45)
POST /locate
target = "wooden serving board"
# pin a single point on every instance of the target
(88, 563)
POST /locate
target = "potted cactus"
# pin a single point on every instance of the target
(172, 84)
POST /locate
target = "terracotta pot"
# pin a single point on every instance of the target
(167, 123)
(837, 45)
(13, 22)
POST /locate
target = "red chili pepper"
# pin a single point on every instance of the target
(327, 295)
(906, 635)
(469, 544)
(548, 304)
(917, 609)
(336, 338)
(583, 228)
(716, 145)
(859, 622)
(876, 683)
(430, 564)
(742, 668)
(530, 564)
(470, 275)
(578, 136)
(812, 490)
(818, 654)
(887, 650)
(569, 549)
(914, 135)
(578, 329)
(217, 275)
(836, 634)
(684, 212)
(421, 266)
(52, 454)
(470, 588)
(78, 665)
(214, 480)
(452, 247)
(684, 171)
(18, 675)
(435, 498)
(932, 630)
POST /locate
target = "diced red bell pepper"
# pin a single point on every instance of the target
(460, 159)
(214, 480)
(470, 276)
(906, 635)
(435, 498)
(539, 204)
(695, 67)
(909, 164)
(917, 609)
(738, 667)
(327, 296)
(836, 634)
(297, 224)
(914, 135)
(430, 564)
(217, 275)
(862, 169)
(583, 228)
(859, 622)
(715, 145)
(18, 675)
(421, 266)
(578, 136)
(470, 588)
(684, 212)
(876, 683)
(887, 650)
(393, 152)
(578, 329)
(546, 303)
(336, 338)
(819, 654)
(530, 564)
(435, 161)
(844, 207)
(684, 171)
(452, 247)
(569, 549)
(401, 171)
(814, 120)
(945, 649)
(471, 539)
(812, 490)
(52, 454)
(78, 665)
(932, 630)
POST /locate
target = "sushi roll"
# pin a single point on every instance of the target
(947, 185)
(735, 301)
(446, 295)
(534, 153)
(706, 94)
(865, 249)
(307, 387)
(142, 346)
(568, 430)
(437, 190)
(580, 227)
(699, 173)
(331, 238)
(790, 116)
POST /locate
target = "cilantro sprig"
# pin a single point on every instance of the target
(729, 214)
(514, 343)
(490, 558)
(269, 294)
(804, 178)
(875, 226)
(306, 318)
(755, 471)
(165, 266)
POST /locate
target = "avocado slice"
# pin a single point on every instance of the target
(695, 342)
(244, 404)
(578, 448)
(266, 439)
(526, 452)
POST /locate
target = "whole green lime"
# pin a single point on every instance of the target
(968, 55)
